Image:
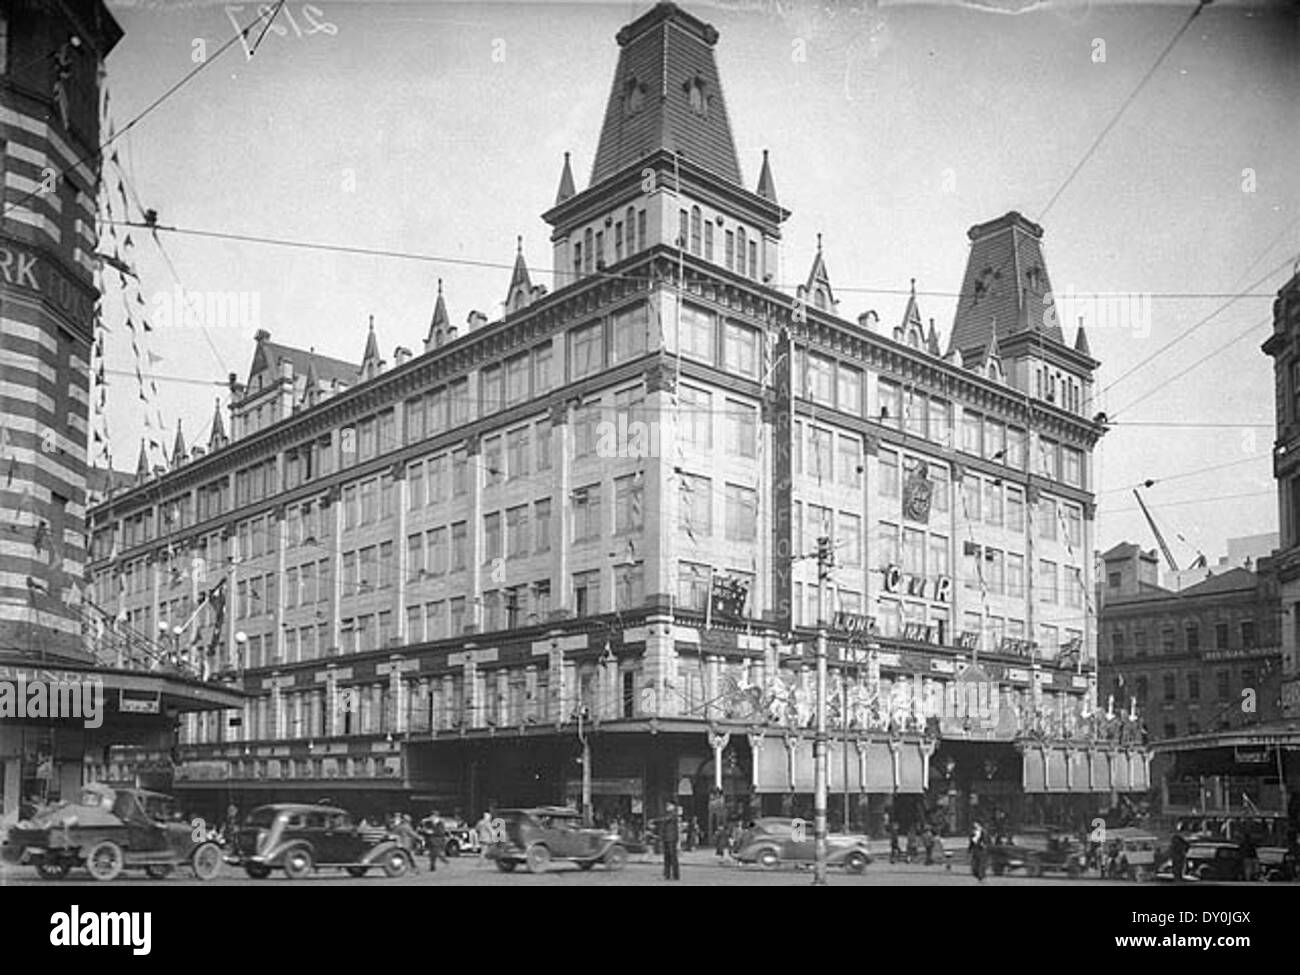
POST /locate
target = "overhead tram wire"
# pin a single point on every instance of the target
(1153, 481)
(1201, 5)
(148, 109)
(1199, 362)
(503, 265)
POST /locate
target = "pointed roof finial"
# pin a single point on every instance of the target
(218, 436)
(178, 448)
(913, 287)
(142, 465)
(766, 186)
(567, 190)
(819, 242)
(519, 244)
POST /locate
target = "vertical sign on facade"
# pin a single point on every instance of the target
(780, 406)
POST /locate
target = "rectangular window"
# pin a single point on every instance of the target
(742, 513)
(586, 350)
(586, 423)
(1015, 575)
(740, 349)
(517, 379)
(940, 422)
(891, 403)
(1248, 641)
(518, 540)
(492, 541)
(435, 417)
(1015, 508)
(848, 392)
(970, 497)
(731, 250)
(629, 586)
(493, 464)
(993, 503)
(972, 429)
(1193, 686)
(848, 539)
(889, 487)
(1221, 680)
(695, 506)
(437, 551)
(1193, 636)
(459, 546)
(459, 471)
(819, 379)
(753, 260)
(742, 428)
(415, 568)
(517, 453)
(640, 230)
(1073, 525)
(367, 438)
(415, 486)
(915, 415)
(543, 445)
(456, 612)
(629, 515)
(1047, 581)
(708, 240)
(696, 418)
(941, 495)
(1016, 446)
(542, 520)
(1049, 458)
(995, 439)
(586, 593)
(913, 551)
(628, 328)
(849, 461)
(1221, 636)
(699, 329)
(1073, 464)
(887, 543)
(586, 513)
(1046, 517)
(693, 586)
(542, 369)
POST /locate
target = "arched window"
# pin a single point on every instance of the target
(695, 230)
(740, 251)
(630, 220)
(589, 251)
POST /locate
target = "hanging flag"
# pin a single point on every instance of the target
(217, 600)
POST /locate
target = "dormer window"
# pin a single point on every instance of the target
(633, 97)
(697, 94)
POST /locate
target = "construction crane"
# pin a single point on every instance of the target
(1164, 546)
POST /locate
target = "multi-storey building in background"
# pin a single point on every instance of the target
(51, 56)
(591, 526)
(1284, 348)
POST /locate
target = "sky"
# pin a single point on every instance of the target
(439, 129)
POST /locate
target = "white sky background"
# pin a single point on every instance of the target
(905, 125)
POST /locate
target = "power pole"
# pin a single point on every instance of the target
(825, 559)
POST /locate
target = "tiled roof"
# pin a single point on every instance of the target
(269, 354)
(664, 54)
(1231, 581)
(1006, 282)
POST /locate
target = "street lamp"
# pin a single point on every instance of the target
(167, 632)
(241, 642)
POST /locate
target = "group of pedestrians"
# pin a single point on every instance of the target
(926, 838)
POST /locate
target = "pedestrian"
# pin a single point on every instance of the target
(912, 844)
(1248, 857)
(1178, 854)
(486, 836)
(670, 836)
(407, 838)
(979, 843)
(892, 827)
(437, 841)
(927, 839)
(720, 839)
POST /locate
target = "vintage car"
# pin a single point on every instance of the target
(111, 830)
(299, 839)
(1061, 854)
(775, 840)
(1130, 854)
(1210, 860)
(542, 835)
(460, 838)
(1276, 863)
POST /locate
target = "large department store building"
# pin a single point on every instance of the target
(597, 518)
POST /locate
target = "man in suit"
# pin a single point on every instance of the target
(671, 835)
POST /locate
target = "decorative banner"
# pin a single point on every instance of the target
(917, 493)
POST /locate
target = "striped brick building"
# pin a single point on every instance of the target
(51, 55)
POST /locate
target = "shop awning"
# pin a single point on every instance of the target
(785, 764)
(1062, 768)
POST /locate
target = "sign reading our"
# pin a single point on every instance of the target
(938, 589)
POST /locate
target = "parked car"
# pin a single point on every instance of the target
(112, 830)
(1209, 860)
(461, 837)
(1061, 854)
(774, 840)
(542, 835)
(300, 839)
(1130, 854)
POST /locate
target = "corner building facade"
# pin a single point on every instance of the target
(445, 575)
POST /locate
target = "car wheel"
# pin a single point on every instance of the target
(53, 869)
(506, 866)
(357, 871)
(453, 848)
(396, 864)
(1203, 872)
(616, 858)
(206, 861)
(769, 859)
(105, 861)
(298, 864)
(159, 871)
(539, 858)
(257, 871)
(855, 863)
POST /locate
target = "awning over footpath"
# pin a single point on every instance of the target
(133, 691)
(1284, 733)
(784, 764)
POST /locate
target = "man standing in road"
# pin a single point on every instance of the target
(979, 843)
(485, 836)
(1178, 854)
(671, 836)
(437, 841)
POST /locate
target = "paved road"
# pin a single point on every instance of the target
(698, 870)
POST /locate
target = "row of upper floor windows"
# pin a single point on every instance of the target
(1138, 639)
